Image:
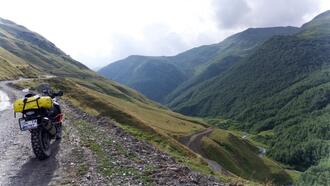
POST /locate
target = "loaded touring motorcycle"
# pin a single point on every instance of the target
(42, 116)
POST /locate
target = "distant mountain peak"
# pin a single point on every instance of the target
(5, 21)
(319, 26)
(324, 15)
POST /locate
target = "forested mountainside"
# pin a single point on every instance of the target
(157, 77)
(24, 53)
(27, 54)
(283, 86)
(279, 87)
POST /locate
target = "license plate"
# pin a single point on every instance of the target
(27, 125)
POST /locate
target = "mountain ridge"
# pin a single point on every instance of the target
(280, 87)
(188, 64)
(105, 99)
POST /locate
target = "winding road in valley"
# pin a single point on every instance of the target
(19, 166)
(195, 144)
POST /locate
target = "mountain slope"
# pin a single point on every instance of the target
(318, 27)
(242, 158)
(152, 76)
(283, 86)
(101, 98)
(157, 77)
(38, 53)
(280, 86)
(27, 54)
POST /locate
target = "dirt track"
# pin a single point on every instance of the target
(195, 144)
(18, 165)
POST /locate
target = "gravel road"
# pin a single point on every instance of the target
(12, 141)
(18, 165)
(195, 144)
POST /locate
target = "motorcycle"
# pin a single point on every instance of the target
(42, 116)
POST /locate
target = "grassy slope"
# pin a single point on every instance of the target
(21, 48)
(152, 76)
(18, 45)
(98, 96)
(137, 115)
(12, 67)
(158, 77)
(241, 158)
(318, 27)
(86, 90)
(284, 87)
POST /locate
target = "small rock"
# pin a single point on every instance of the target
(88, 177)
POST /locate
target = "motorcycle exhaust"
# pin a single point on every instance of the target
(47, 124)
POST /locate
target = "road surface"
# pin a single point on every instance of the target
(18, 165)
(195, 144)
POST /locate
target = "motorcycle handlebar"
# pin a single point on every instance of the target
(58, 94)
(53, 95)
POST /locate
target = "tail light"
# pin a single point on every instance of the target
(59, 118)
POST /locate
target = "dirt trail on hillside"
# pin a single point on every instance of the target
(18, 165)
(195, 144)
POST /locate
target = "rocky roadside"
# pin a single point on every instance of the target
(111, 156)
(95, 151)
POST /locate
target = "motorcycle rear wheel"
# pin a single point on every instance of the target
(40, 140)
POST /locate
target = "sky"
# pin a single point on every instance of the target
(98, 32)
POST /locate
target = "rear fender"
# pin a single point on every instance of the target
(48, 125)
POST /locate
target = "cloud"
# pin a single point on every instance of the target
(99, 32)
(231, 14)
(156, 39)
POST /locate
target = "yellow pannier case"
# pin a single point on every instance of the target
(33, 102)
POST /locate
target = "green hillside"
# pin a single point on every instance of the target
(284, 87)
(18, 45)
(318, 27)
(316, 175)
(152, 76)
(268, 83)
(162, 78)
(242, 158)
(32, 56)
(24, 53)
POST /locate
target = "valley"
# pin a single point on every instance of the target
(94, 97)
(269, 82)
(250, 110)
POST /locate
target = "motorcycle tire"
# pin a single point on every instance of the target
(40, 140)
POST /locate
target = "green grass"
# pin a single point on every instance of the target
(99, 144)
(152, 123)
(284, 87)
(295, 175)
(316, 175)
(241, 158)
(12, 67)
(27, 54)
(260, 139)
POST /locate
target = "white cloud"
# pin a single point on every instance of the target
(101, 31)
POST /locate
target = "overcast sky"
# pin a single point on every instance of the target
(98, 32)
